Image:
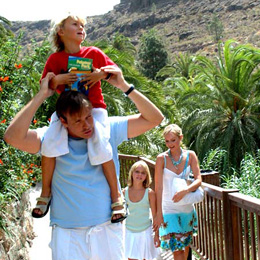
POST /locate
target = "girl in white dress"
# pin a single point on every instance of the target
(139, 241)
(176, 223)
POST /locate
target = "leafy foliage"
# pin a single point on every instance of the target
(216, 160)
(247, 180)
(228, 117)
(19, 81)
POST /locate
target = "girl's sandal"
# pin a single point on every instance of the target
(44, 208)
(123, 212)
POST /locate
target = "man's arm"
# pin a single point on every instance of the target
(18, 133)
(149, 117)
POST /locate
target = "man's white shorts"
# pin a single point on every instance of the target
(101, 242)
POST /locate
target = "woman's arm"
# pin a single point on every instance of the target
(194, 164)
(197, 178)
(159, 165)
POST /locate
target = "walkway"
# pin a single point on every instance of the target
(40, 249)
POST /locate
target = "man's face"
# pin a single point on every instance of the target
(81, 124)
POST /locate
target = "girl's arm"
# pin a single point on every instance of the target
(152, 201)
(159, 165)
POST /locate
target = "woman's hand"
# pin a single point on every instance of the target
(179, 195)
(158, 221)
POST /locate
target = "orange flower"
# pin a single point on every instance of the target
(5, 78)
(1, 79)
(34, 121)
(1, 162)
(18, 66)
(3, 121)
(1, 89)
(11, 81)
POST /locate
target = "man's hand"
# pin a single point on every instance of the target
(45, 89)
(117, 78)
(93, 77)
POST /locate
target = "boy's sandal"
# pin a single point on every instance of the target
(123, 212)
(44, 208)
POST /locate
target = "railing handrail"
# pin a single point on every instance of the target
(246, 202)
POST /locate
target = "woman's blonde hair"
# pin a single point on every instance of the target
(147, 182)
(174, 129)
(56, 25)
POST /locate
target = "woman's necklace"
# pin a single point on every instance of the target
(175, 163)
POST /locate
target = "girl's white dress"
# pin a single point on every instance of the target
(139, 245)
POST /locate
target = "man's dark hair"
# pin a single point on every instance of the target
(71, 102)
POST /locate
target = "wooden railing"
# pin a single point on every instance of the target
(228, 221)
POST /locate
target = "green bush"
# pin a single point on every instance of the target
(19, 81)
(248, 179)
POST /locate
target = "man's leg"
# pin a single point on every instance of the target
(107, 242)
(67, 244)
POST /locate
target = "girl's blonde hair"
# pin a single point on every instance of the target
(174, 129)
(147, 182)
(56, 25)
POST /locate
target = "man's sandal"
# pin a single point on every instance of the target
(44, 208)
(123, 212)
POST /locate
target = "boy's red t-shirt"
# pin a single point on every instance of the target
(58, 64)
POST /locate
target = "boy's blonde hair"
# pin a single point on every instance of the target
(56, 25)
(147, 182)
(174, 129)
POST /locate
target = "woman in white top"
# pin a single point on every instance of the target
(139, 241)
(176, 223)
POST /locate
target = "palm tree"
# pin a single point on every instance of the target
(3, 31)
(4, 20)
(182, 66)
(229, 117)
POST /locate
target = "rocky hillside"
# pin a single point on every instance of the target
(182, 23)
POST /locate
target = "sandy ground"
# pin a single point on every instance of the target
(40, 249)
